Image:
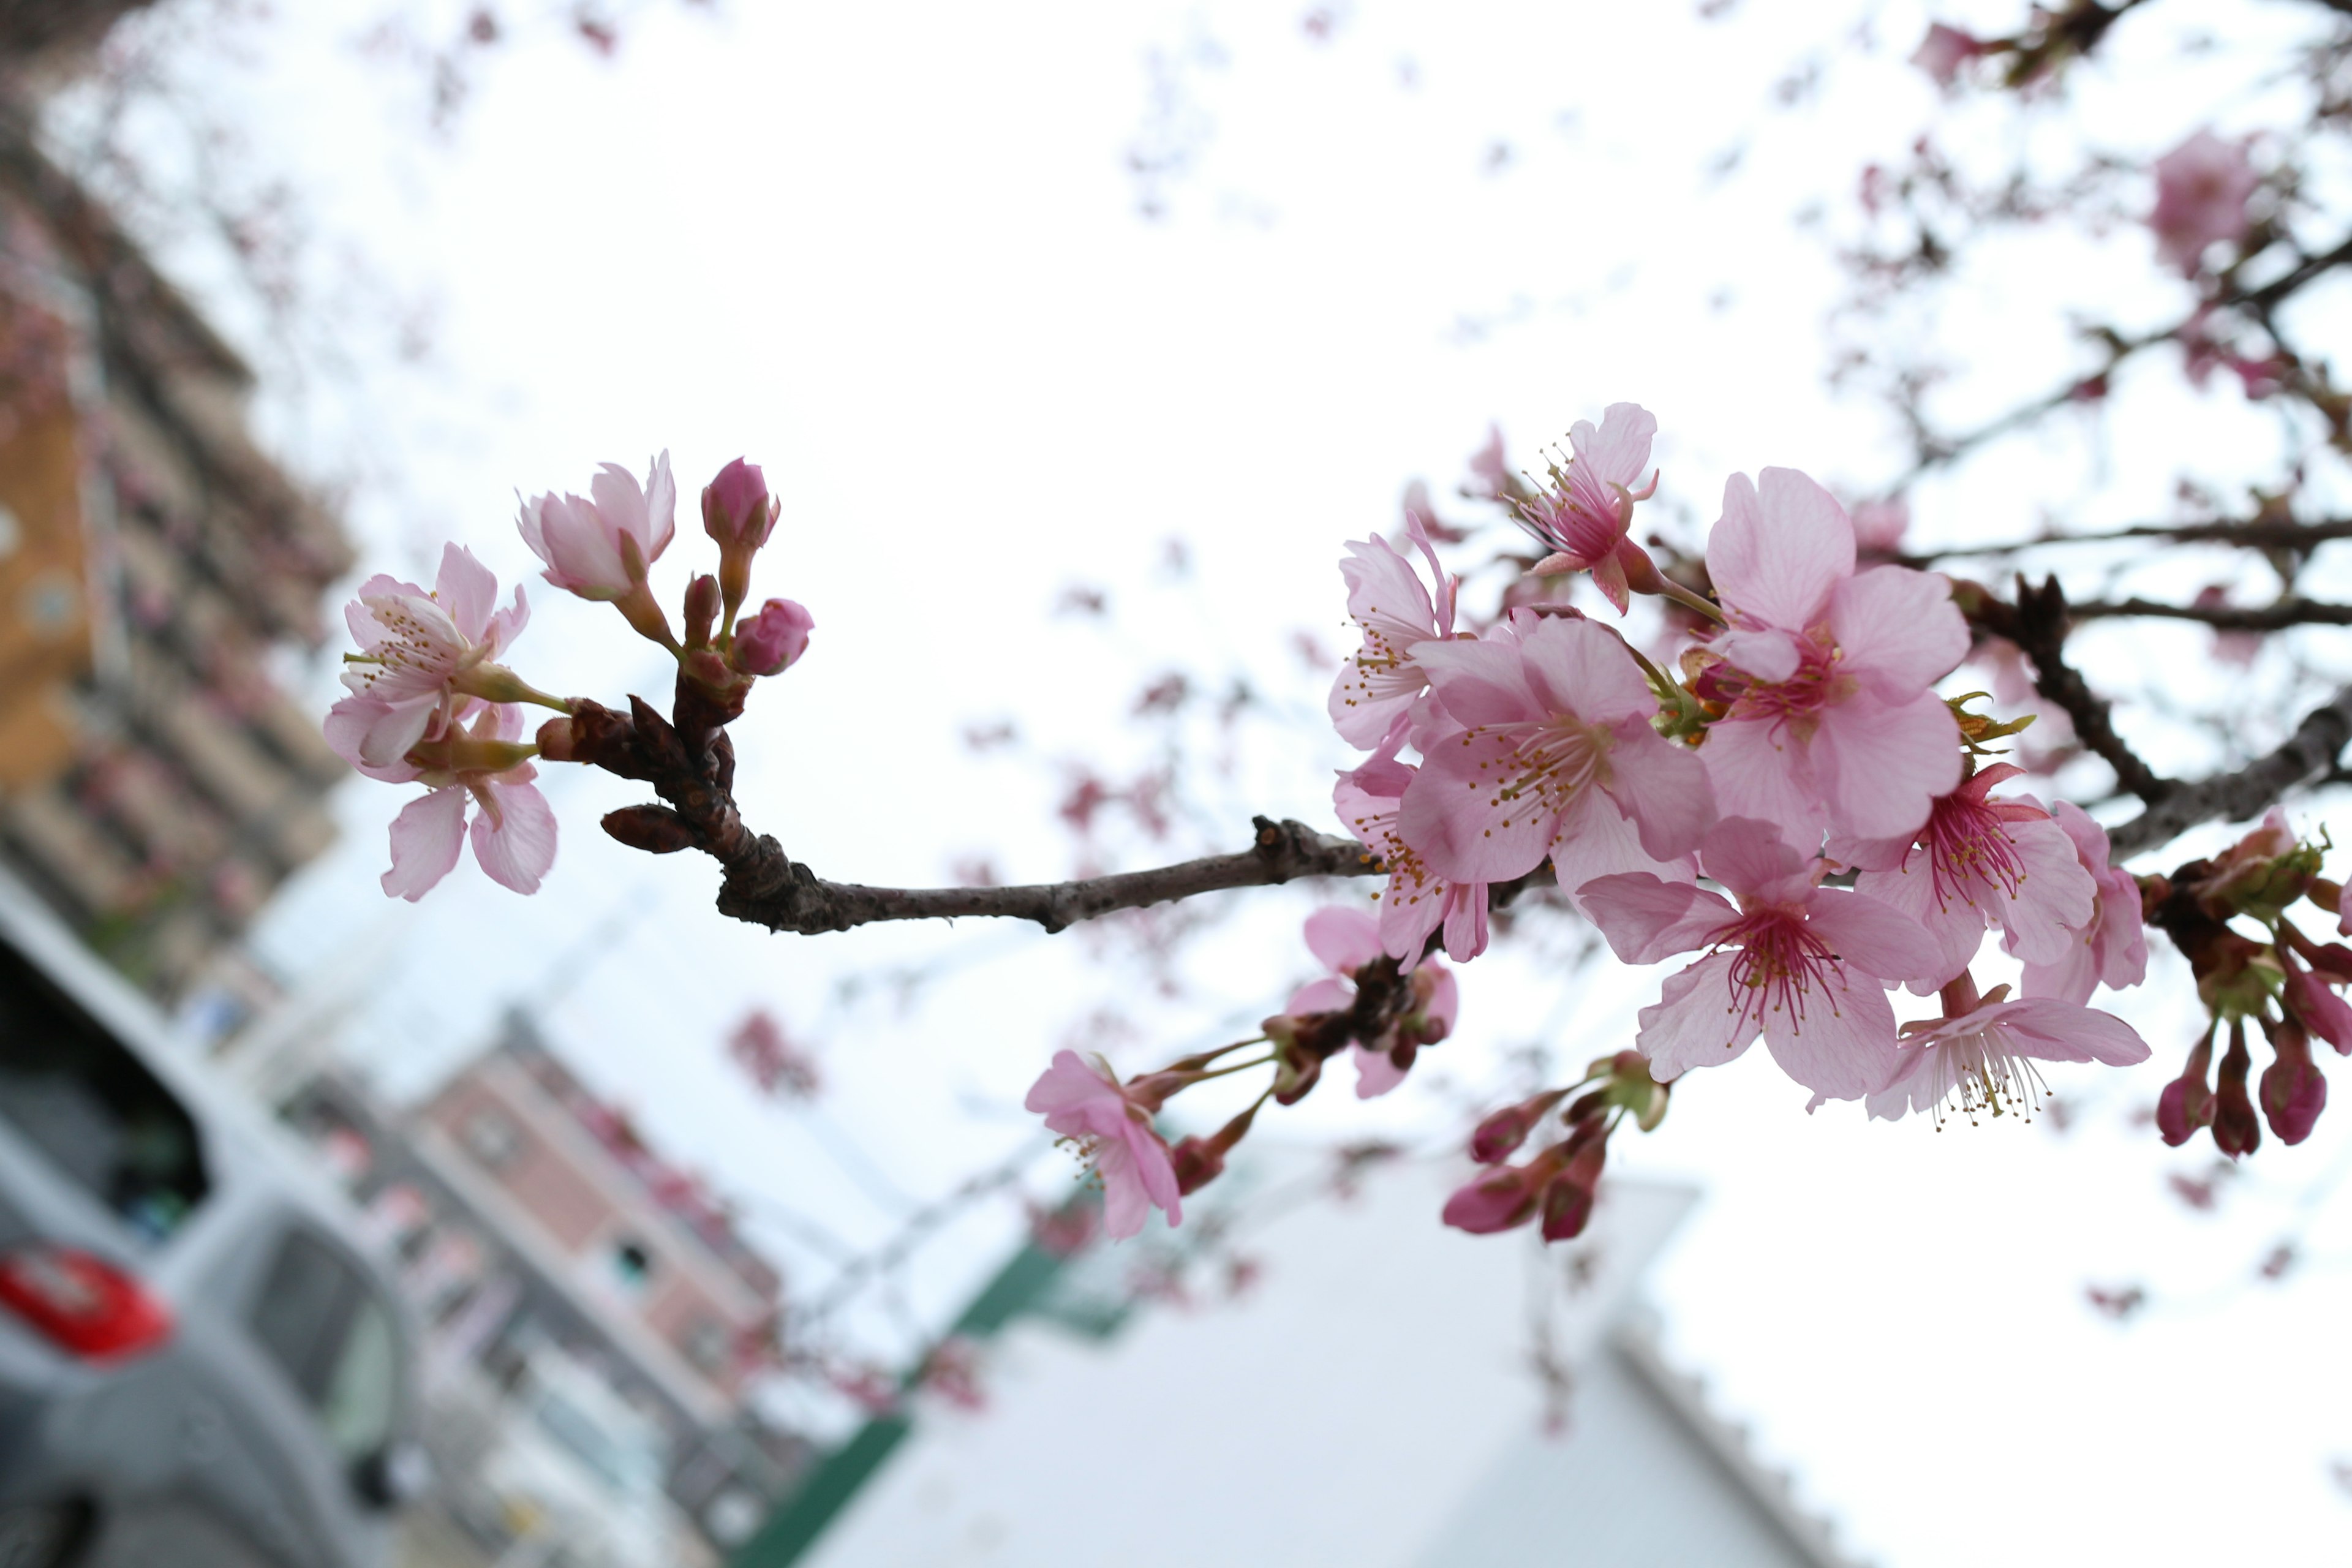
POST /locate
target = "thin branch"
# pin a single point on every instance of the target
(2037, 624)
(2224, 617)
(2310, 753)
(2253, 534)
(765, 886)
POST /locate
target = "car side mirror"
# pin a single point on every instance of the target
(395, 1474)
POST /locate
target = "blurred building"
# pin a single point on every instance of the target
(538, 1227)
(156, 780)
(1383, 1392)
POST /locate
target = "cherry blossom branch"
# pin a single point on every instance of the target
(2308, 755)
(2297, 612)
(693, 769)
(2255, 533)
(2038, 624)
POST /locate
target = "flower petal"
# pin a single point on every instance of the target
(1898, 628)
(1343, 938)
(426, 839)
(517, 849)
(1775, 556)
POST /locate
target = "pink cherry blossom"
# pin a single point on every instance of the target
(1556, 757)
(1083, 1100)
(1385, 596)
(1976, 862)
(1833, 725)
(737, 508)
(1802, 964)
(1944, 51)
(421, 656)
(1981, 1060)
(1345, 940)
(1583, 516)
(2111, 948)
(1416, 900)
(2201, 190)
(514, 828)
(600, 548)
(2321, 1010)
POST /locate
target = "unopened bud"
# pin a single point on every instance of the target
(1495, 1201)
(702, 610)
(1196, 1164)
(1568, 1198)
(2187, 1102)
(1499, 1136)
(773, 639)
(740, 514)
(2319, 1009)
(555, 738)
(655, 829)
(2236, 1130)
(2327, 894)
(2293, 1090)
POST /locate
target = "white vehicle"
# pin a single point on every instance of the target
(575, 1471)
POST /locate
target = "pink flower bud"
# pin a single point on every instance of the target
(773, 638)
(1198, 1161)
(735, 507)
(1496, 1200)
(2320, 1010)
(2236, 1132)
(2187, 1102)
(1499, 1136)
(2293, 1090)
(1568, 1198)
(702, 610)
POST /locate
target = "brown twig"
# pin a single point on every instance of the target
(2274, 617)
(2252, 534)
(2037, 624)
(2310, 753)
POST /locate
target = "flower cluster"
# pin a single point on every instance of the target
(429, 702)
(1795, 807)
(2291, 986)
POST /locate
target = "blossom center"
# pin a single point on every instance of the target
(1553, 760)
(1779, 963)
(1968, 845)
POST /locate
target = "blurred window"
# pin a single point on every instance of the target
(492, 1139)
(706, 1346)
(318, 1321)
(82, 1098)
(632, 1263)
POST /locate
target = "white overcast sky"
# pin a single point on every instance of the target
(892, 253)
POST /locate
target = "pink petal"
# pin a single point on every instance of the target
(1691, 1026)
(2054, 898)
(1751, 858)
(1465, 925)
(1324, 996)
(1873, 937)
(518, 849)
(1775, 556)
(1769, 654)
(1596, 840)
(1581, 668)
(466, 591)
(1155, 1170)
(1760, 769)
(2064, 1032)
(1454, 817)
(1068, 1084)
(1620, 448)
(390, 729)
(661, 506)
(1956, 926)
(1445, 996)
(1125, 1202)
(1843, 1046)
(1343, 938)
(1663, 786)
(1899, 629)
(1481, 682)
(1646, 920)
(1375, 1074)
(1881, 765)
(426, 839)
